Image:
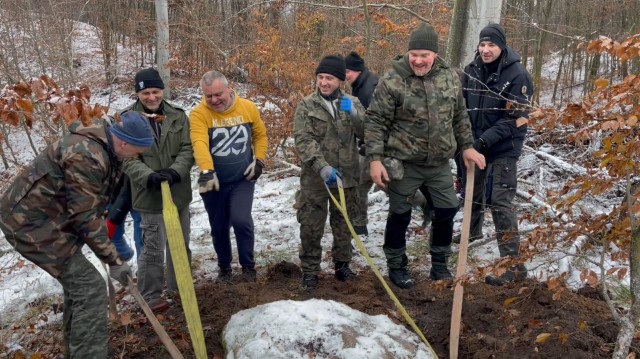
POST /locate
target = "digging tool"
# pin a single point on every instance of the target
(159, 329)
(112, 297)
(456, 313)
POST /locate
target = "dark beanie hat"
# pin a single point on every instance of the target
(133, 129)
(332, 65)
(148, 78)
(494, 33)
(423, 38)
(354, 62)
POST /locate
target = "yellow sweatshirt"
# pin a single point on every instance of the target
(227, 141)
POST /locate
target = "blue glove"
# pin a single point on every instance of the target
(346, 105)
(329, 175)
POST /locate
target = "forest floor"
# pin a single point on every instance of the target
(497, 322)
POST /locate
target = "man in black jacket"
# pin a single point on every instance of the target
(362, 82)
(498, 91)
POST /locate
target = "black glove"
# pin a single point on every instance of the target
(362, 149)
(155, 179)
(174, 176)
(254, 170)
(479, 145)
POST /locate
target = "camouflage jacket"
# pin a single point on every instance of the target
(322, 140)
(172, 150)
(55, 205)
(417, 119)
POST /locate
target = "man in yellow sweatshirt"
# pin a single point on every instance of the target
(229, 144)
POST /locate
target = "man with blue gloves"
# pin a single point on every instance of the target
(324, 127)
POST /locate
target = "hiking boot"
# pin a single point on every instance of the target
(516, 273)
(158, 305)
(343, 272)
(309, 281)
(248, 274)
(458, 237)
(401, 278)
(361, 230)
(440, 272)
(225, 276)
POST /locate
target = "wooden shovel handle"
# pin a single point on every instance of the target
(456, 312)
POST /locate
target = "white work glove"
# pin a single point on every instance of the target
(208, 181)
(120, 271)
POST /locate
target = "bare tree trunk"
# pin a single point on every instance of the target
(162, 20)
(367, 29)
(453, 52)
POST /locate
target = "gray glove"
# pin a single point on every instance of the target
(120, 272)
(208, 181)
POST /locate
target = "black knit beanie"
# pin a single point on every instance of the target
(332, 65)
(148, 78)
(494, 33)
(423, 38)
(354, 62)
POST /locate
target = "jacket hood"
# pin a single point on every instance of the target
(401, 65)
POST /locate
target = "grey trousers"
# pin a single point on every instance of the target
(505, 179)
(151, 261)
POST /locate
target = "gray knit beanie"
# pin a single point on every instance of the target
(423, 38)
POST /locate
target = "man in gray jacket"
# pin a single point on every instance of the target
(169, 159)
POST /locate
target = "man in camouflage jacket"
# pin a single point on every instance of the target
(415, 122)
(55, 206)
(324, 127)
(170, 159)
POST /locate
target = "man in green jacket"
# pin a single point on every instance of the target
(55, 206)
(170, 159)
(415, 122)
(324, 127)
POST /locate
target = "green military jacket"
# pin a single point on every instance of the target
(417, 119)
(321, 139)
(172, 150)
(55, 205)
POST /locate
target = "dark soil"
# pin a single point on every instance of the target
(497, 322)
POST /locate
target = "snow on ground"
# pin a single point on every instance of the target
(276, 330)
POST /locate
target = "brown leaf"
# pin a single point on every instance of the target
(125, 318)
(563, 338)
(22, 89)
(601, 83)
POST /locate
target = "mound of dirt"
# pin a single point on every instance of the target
(517, 321)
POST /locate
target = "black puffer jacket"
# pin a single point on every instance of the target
(495, 101)
(363, 87)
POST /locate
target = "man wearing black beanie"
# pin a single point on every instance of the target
(415, 123)
(324, 127)
(169, 159)
(363, 82)
(498, 91)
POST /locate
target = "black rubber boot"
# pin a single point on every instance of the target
(309, 281)
(401, 278)
(439, 269)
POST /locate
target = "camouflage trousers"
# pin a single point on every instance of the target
(85, 309)
(359, 216)
(151, 261)
(502, 209)
(312, 216)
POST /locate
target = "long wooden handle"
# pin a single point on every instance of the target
(164, 337)
(456, 312)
